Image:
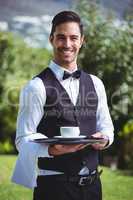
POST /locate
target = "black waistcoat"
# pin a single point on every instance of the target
(60, 111)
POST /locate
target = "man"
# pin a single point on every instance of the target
(62, 95)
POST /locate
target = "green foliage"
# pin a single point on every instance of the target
(126, 135)
(108, 53)
(18, 64)
(127, 130)
(8, 190)
(6, 147)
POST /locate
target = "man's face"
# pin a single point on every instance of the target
(66, 42)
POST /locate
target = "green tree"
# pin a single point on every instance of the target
(108, 54)
(18, 64)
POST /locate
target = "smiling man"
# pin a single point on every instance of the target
(62, 95)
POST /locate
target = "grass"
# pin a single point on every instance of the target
(8, 190)
(116, 185)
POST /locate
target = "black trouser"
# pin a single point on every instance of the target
(48, 188)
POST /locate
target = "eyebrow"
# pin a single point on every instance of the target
(62, 35)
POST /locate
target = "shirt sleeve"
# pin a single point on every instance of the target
(31, 104)
(104, 121)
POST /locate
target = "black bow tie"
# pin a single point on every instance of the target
(75, 74)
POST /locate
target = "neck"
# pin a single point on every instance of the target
(69, 66)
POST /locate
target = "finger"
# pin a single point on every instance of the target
(98, 134)
(97, 146)
(84, 145)
(81, 146)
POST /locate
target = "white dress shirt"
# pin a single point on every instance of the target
(31, 110)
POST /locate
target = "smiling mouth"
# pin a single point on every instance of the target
(67, 52)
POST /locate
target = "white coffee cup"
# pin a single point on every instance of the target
(70, 131)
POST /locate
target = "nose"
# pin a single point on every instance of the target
(67, 43)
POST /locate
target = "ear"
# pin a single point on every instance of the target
(82, 40)
(51, 38)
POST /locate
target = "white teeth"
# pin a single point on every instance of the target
(66, 51)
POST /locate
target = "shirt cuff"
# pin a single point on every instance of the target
(109, 137)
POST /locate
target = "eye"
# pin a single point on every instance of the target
(60, 37)
(74, 38)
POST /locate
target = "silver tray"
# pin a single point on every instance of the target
(69, 140)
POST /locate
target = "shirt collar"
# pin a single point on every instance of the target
(58, 70)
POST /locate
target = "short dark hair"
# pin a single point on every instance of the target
(66, 16)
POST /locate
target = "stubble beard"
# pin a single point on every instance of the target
(60, 57)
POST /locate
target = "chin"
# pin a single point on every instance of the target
(66, 62)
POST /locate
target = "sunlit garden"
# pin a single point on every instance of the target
(108, 54)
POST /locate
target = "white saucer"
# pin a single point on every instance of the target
(77, 137)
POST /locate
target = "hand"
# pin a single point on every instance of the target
(100, 146)
(59, 149)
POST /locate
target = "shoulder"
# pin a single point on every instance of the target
(97, 81)
(98, 84)
(34, 86)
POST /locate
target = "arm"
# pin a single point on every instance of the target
(104, 123)
(32, 101)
